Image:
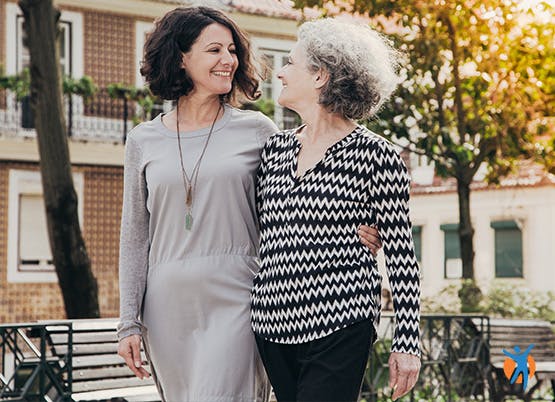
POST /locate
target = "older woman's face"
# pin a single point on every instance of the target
(212, 61)
(298, 81)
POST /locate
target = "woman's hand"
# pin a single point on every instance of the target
(130, 349)
(403, 373)
(370, 237)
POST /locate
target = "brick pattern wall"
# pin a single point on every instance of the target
(102, 214)
(109, 57)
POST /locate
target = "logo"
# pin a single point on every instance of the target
(519, 366)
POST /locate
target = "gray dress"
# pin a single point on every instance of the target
(188, 292)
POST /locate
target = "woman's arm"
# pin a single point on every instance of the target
(390, 184)
(134, 242)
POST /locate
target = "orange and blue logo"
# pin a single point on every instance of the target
(519, 367)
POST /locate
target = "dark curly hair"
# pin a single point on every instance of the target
(173, 35)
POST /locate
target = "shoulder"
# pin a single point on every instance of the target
(144, 132)
(252, 118)
(381, 149)
(255, 120)
(281, 139)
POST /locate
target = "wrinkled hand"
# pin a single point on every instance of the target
(370, 237)
(403, 373)
(130, 349)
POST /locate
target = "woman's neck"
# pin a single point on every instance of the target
(196, 111)
(323, 126)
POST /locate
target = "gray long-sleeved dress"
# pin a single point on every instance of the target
(188, 292)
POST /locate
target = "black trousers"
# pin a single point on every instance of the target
(323, 370)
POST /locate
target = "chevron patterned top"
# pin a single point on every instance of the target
(316, 277)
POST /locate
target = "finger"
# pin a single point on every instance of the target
(127, 355)
(413, 378)
(371, 236)
(401, 386)
(144, 373)
(370, 230)
(392, 373)
(373, 249)
(136, 350)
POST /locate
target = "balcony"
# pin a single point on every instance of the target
(102, 120)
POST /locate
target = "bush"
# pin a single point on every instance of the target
(502, 300)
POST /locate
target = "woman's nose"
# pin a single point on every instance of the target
(228, 58)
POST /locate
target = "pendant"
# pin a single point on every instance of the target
(189, 198)
(188, 221)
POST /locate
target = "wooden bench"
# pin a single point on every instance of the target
(97, 371)
(506, 334)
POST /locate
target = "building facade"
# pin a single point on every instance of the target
(514, 223)
(103, 40)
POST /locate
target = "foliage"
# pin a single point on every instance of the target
(20, 85)
(83, 87)
(478, 89)
(506, 300)
(503, 299)
(446, 301)
(142, 96)
(470, 296)
(266, 106)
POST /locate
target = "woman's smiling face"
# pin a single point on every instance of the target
(212, 61)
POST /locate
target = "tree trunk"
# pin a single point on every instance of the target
(466, 231)
(77, 283)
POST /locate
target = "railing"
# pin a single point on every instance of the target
(102, 119)
(31, 370)
(455, 359)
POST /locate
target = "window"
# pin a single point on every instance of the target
(29, 256)
(17, 55)
(508, 249)
(452, 251)
(71, 42)
(417, 239)
(275, 53)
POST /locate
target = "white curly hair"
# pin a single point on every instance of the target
(362, 65)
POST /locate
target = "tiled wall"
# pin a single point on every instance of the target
(103, 195)
(109, 55)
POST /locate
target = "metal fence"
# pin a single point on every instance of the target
(31, 370)
(455, 359)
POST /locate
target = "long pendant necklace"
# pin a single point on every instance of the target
(190, 183)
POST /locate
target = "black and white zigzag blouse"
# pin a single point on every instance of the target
(316, 277)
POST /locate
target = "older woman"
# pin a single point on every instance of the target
(316, 298)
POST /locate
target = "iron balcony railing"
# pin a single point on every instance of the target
(102, 119)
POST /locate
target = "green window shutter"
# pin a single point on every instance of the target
(452, 251)
(417, 238)
(508, 249)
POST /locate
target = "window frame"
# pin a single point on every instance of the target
(279, 48)
(29, 182)
(75, 43)
(450, 228)
(505, 225)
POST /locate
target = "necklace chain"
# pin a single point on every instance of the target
(190, 184)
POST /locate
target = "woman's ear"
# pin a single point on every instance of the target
(321, 78)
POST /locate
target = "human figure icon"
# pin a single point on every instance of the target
(521, 360)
